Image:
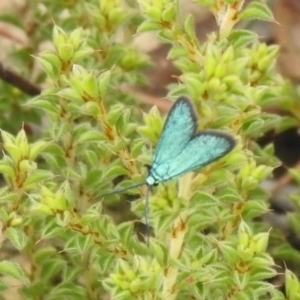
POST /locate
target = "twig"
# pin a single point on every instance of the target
(18, 81)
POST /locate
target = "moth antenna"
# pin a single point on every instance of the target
(147, 214)
(124, 189)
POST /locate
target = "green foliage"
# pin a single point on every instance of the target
(206, 244)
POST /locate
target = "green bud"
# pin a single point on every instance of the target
(7, 170)
(206, 110)
(16, 221)
(27, 165)
(216, 85)
(292, 284)
(78, 55)
(114, 114)
(58, 37)
(72, 95)
(249, 183)
(259, 242)
(7, 138)
(51, 58)
(116, 278)
(245, 254)
(243, 239)
(228, 55)
(90, 86)
(22, 143)
(261, 172)
(264, 63)
(194, 83)
(124, 285)
(170, 12)
(76, 38)
(153, 13)
(46, 193)
(42, 208)
(116, 16)
(124, 268)
(221, 70)
(36, 148)
(210, 65)
(135, 285)
(104, 81)
(159, 202)
(60, 201)
(48, 67)
(65, 52)
(244, 171)
(148, 133)
(255, 75)
(14, 152)
(158, 252)
(148, 26)
(90, 108)
(76, 79)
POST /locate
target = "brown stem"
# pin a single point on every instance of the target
(18, 81)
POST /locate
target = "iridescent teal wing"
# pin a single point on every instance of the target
(206, 147)
(203, 148)
(180, 126)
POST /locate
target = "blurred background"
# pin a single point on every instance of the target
(20, 38)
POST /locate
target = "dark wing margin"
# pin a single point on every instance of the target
(179, 128)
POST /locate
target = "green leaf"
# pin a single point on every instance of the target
(7, 170)
(286, 123)
(104, 83)
(78, 55)
(93, 178)
(36, 148)
(45, 105)
(91, 135)
(72, 95)
(52, 267)
(91, 157)
(115, 171)
(115, 113)
(17, 237)
(253, 127)
(189, 26)
(170, 12)
(257, 10)
(177, 51)
(4, 286)
(8, 197)
(67, 291)
(38, 176)
(148, 26)
(49, 69)
(12, 269)
(44, 253)
(241, 38)
(50, 229)
(136, 148)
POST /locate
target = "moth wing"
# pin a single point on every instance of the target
(178, 129)
(201, 150)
